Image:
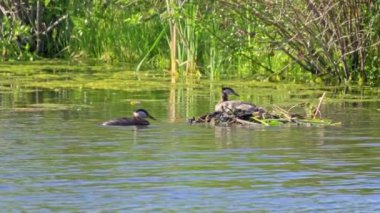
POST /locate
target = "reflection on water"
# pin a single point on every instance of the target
(64, 160)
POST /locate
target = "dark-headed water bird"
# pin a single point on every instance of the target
(225, 105)
(138, 119)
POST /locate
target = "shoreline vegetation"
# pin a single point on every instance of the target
(336, 42)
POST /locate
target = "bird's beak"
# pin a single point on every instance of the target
(236, 94)
(151, 117)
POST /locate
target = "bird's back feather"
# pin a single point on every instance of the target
(126, 122)
(233, 106)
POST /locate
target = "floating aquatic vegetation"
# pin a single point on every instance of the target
(53, 75)
(47, 107)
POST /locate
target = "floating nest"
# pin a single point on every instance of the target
(277, 116)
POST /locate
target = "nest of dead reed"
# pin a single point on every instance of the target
(277, 116)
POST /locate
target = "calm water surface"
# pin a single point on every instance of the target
(63, 160)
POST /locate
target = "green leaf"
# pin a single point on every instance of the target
(274, 123)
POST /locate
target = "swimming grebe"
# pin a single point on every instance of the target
(137, 120)
(225, 105)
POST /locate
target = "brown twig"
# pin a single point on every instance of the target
(294, 106)
(244, 122)
(3, 10)
(317, 110)
(52, 26)
(285, 113)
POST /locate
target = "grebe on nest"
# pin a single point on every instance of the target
(225, 105)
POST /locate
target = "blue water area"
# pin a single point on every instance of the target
(62, 159)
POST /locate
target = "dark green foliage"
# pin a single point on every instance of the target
(33, 28)
(332, 41)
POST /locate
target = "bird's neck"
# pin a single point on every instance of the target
(137, 118)
(224, 97)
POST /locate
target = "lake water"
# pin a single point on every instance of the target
(55, 156)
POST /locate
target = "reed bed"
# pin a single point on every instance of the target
(331, 41)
